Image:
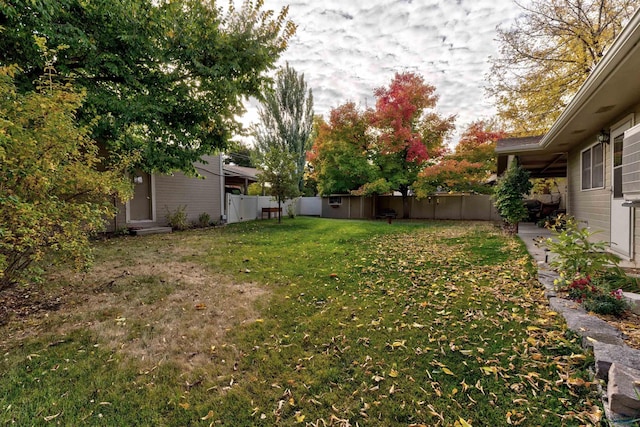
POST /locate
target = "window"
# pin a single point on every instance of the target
(593, 167)
(335, 200)
(617, 167)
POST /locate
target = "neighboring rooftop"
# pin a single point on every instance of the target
(240, 171)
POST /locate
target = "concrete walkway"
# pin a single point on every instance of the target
(617, 365)
(530, 233)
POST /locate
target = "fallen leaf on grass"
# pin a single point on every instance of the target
(448, 371)
(52, 417)
(488, 370)
(299, 417)
(595, 415)
(399, 344)
(461, 422)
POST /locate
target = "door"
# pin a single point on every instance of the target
(141, 206)
(621, 216)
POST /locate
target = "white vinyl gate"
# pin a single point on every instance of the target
(248, 208)
(241, 208)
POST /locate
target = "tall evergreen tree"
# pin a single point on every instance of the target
(286, 119)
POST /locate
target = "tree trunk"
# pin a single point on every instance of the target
(279, 210)
(404, 190)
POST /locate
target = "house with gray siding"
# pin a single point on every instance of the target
(595, 143)
(155, 195)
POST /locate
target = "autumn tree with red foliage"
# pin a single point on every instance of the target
(380, 150)
(406, 133)
(469, 167)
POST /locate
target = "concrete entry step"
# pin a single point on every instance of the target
(151, 230)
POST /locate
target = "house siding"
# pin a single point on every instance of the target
(590, 207)
(593, 207)
(636, 225)
(198, 195)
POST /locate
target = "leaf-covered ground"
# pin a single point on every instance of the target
(363, 324)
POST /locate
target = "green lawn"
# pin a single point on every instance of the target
(350, 323)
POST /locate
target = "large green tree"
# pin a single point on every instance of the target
(339, 155)
(163, 78)
(407, 131)
(547, 54)
(286, 119)
(54, 191)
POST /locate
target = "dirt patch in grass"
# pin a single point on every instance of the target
(154, 312)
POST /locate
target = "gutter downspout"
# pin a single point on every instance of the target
(223, 205)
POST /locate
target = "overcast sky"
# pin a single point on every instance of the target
(347, 48)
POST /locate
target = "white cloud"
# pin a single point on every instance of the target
(347, 48)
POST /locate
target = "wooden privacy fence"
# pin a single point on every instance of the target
(445, 206)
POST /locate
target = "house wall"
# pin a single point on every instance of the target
(636, 246)
(198, 195)
(593, 207)
(590, 207)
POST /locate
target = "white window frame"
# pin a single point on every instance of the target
(590, 185)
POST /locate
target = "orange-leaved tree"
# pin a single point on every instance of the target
(469, 167)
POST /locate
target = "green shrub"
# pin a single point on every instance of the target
(576, 253)
(618, 279)
(54, 195)
(588, 273)
(204, 220)
(595, 295)
(509, 192)
(291, 211)
(178, 218)
(606, 303)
